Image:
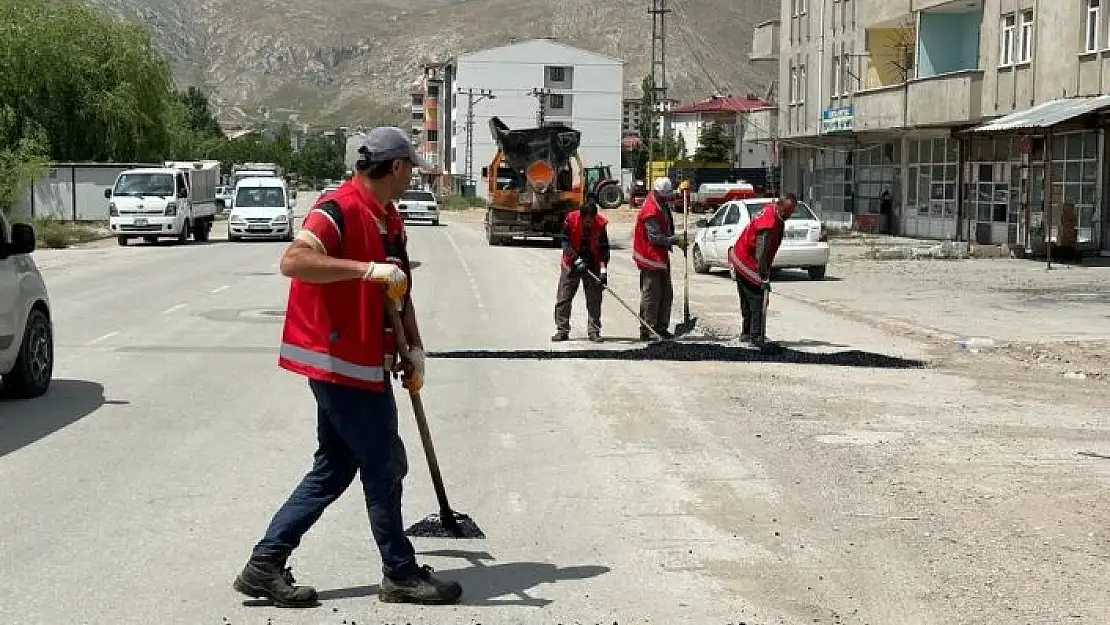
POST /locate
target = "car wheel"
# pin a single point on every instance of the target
(122, 241)
(817, 273)
(699, 261)
(34, 367)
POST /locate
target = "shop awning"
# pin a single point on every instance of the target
(1044, 116)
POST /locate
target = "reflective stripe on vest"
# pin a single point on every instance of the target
(739, 266)
(331, 364)
(654, 264)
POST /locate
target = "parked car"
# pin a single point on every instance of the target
(804, 243)
(416, 204)
(26, 333)
(261, 209)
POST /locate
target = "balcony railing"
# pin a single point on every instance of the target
(946, 99)
(880, 109)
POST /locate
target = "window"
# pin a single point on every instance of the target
(802, 211)
(432, 135)
(417, 99)
(802, 6)
(793, 85)
(733, 216)
(418, 196)
(417, 116)
(846, 69)
(1092, 26)
(931, 188)
(1025, 46)
(433, 91)
(836, 76)
(557, 101)
(719, 217)
(1006, 45)
(801, 84)
(556, 74)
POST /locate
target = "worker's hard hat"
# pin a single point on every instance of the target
(662, 185)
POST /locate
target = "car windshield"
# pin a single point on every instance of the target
(418, 196)
(251, 197)
(802, 211)
(160, 185)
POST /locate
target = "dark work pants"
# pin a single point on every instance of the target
(357, 433)
(754, 323)
(656, 297)
(564, 299)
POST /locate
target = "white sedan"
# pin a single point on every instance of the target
(804, 243)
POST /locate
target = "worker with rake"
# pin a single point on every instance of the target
(585, 258)
(347, 264)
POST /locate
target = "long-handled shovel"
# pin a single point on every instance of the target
(687, 324)
(448, 523)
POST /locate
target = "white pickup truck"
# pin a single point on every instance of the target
(165, 202)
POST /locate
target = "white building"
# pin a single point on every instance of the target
(578, 88)
(688, 120)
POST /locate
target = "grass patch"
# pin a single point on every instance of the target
(455, 202)
(54, 234)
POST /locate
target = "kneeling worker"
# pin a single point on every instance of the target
(751, 260)
(585, 247)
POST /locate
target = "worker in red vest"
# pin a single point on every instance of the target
(585, 249)
(347, 264)
(652, 240)
(751, 258)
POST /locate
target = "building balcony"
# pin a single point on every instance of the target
(884, 13)
(880, 108)
(947, 99)
(765, 41)
(762, 125)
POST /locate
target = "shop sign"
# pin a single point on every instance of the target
(838, 119)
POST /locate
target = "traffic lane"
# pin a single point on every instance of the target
(831, 484)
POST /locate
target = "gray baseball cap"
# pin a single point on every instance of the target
(388, 142)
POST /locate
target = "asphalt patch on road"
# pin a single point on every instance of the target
(432, 527)
(694, 352)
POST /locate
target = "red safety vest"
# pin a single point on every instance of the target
(742, 257)
(574, 225)
(647, 256)
(336, 332)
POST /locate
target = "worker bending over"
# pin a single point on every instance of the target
(652, 241)
(347, 264)
(751, 260)
(585, 249)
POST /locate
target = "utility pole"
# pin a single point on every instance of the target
(540, 93)
(473, 96)
(658, 12)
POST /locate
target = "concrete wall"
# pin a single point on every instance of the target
(594, 99)
(65, 186)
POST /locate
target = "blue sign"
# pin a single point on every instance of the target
(838, 119)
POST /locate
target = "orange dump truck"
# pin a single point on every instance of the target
(535, 178)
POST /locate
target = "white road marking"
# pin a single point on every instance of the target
(173, 309)
(466, 268)
(220, 289)
(103, 338)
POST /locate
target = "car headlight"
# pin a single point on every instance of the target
(171, 209)
(112, 210)
(280, 219)
(235, 219)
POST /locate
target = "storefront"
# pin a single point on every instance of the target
(932, 177)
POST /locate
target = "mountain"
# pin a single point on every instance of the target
(343, 61)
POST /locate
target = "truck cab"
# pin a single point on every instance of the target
(156, 203)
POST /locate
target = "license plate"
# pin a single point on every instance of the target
(797, 234)
(257, 228)
(140, 221)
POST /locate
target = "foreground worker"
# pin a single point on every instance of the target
(652, 241)
(349, 261)
(751, 260)
(585, 248)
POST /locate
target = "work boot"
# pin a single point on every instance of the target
(665, 334)
(559, 337)
(419, 587)
(745, 337)
(271, 579)
(595, 337)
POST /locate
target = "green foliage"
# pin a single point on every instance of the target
(321, 158)
(714, 146)
(55, 234)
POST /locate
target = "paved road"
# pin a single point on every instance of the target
(614, 485)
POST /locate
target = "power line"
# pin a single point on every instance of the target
(473, 96)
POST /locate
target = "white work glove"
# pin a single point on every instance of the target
(390, 275)
(414, 375)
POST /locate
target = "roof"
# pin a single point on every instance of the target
(261, 181)
(1045, 115)
(500, 53)
(721, 104)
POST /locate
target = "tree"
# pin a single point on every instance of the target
(714, 145)
(320, 158)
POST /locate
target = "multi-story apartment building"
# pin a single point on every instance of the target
(962, 112)
(732, 113)
(515, 82)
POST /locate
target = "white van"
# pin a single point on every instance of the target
(26, 333)
(261, 208)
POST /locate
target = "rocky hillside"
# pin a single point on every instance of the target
(343, 60)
